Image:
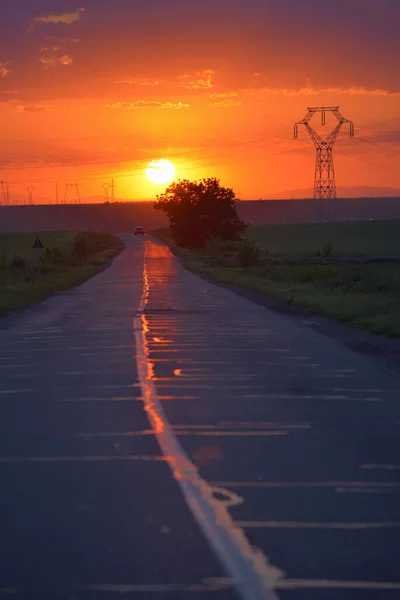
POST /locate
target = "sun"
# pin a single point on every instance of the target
(160, 171)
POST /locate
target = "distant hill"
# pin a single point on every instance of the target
(363, 191)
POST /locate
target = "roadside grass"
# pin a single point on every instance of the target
(357, 283)
(68, 259)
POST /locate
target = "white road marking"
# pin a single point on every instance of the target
(256, 578)
(292, 584)
(382, 467)
(223, 584)
(60, 459)
(306, 484)
(311, 525)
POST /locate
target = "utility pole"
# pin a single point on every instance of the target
(7, 195)
(112, 190)
(57, 199)
(66, 193)
(77, 194)
(324, 180)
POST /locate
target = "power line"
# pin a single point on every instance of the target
(274, 139)
(139, 171)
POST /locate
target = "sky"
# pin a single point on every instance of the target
(94, 90)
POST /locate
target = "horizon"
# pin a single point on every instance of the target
(98, 200)
(86, 96)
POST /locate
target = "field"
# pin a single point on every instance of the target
(350, 239)
(349, 271)
(67, 260)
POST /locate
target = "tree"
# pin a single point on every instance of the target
(199, 210)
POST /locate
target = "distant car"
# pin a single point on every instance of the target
(139, 231)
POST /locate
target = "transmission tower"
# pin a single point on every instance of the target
(106, 188)
(3, 190)
(74, 187)
(77, 194)
(324, 181)
(30, 191)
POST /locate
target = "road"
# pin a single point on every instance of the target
(161, 437)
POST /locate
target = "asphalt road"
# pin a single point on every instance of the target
(161, 437)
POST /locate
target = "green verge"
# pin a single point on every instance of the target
(22, 287)
(353, 286)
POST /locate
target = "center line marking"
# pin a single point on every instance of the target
(256, 578)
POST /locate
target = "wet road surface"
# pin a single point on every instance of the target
(161, 437)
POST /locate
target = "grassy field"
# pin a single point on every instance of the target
(350, 239)
(349, 284)
(67, 260)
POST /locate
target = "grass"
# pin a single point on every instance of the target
(62, 268)
(349, 239)
(351, 285)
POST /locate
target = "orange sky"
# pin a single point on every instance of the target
(97, 92)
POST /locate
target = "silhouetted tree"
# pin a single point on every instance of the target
(199, 210)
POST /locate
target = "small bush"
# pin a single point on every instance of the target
(213, 247)
(309, 274)
(52, 256)
(249, 254)
(3, 261)
(18, 262)
(229, 259)
(80, 249)
(327, 250)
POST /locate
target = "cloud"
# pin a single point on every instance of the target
(52, 58)
(65, 18)
(3, 70)
(225, 104)
(224, 95)
(34, 108)
(140, 83)
(199, 80)
(312, 91)
(148, 104)
(175, 105)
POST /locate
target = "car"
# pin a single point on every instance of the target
(139, 231)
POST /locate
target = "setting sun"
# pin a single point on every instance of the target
(160, 171)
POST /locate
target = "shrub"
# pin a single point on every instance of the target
(327, 250)
(249, 254)
(229, 259)
(18, 262)
(52, 256)
(213, 247)
(80, 249)
(309, 274)
(3, 261)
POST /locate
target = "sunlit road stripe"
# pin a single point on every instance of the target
(250, 568)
